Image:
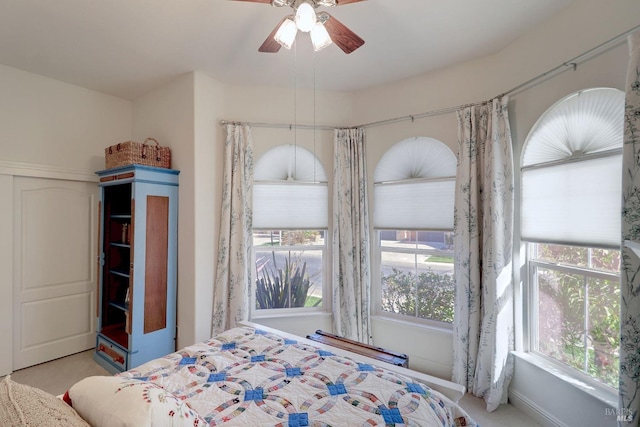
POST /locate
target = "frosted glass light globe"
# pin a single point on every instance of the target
(305, 17)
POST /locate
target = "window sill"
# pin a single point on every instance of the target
(420, 325)
(290, 314)
(601, 392)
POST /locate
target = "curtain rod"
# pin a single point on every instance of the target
(289, 126)
(570, 64)
(574, 62)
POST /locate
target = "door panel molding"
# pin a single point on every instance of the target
(54, 241)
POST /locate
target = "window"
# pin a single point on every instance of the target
(290, 205)
(413, 218)
(416, 273)
(571, 191)
(289, 265)
(577, 294)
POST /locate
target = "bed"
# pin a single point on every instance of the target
(257, 376)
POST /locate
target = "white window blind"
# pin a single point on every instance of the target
(290, 190)
(415, 205)
(586, 122)
(572, 171)
(289, 205)
(415, 186)
(574, 203)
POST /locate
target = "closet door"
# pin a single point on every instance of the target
(54, 266)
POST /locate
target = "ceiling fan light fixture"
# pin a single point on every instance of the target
(320, 37)
(286, 34)
(305, 17)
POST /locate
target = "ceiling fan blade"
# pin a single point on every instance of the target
(257, 1)
(341, 2)
(270, 45)
(343, 37)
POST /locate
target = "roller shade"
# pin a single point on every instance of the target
(289, 205)
(415, 205)
(290, 190)
(415, 185)
(575, 203)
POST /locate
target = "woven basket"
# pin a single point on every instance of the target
(149, 153)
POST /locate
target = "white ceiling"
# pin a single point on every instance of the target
(128, 47)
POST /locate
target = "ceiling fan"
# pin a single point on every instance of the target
(323, 28)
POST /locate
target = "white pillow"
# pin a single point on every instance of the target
(123, 402)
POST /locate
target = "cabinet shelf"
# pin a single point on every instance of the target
(124, 306)
(120, 245)
(116, 334)
(119, 273)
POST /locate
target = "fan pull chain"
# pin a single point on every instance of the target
(295, 110)
(314, 118)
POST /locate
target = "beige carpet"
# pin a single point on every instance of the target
(58, 375)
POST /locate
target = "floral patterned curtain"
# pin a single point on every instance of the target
(483, 227)
(629, 404)
(351, 277)
(233, 275)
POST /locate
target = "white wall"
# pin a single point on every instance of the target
(209, 155)
(167, 114)
(48, 129)
(48, 122)
(574, 30)
(301, 324)
(276, 105)
(184, 115)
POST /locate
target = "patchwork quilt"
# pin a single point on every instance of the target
(249, 377)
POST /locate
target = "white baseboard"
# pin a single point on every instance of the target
(533, 410)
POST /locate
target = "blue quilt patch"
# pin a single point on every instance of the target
(416, 388)
(392, 416)
(255, 394)
(259, 358)
(335, 389)
(324, 353)
(299, 419)
(260, 332)
(219, 376)
(365, 367)
(229, 346)
(293, 372)
(289, 342)
(188, 361)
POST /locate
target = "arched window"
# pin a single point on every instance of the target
(571, 171)
(290, 217)
(414, 186)
(571, 197)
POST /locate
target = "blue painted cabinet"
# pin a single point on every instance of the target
(137, 263)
